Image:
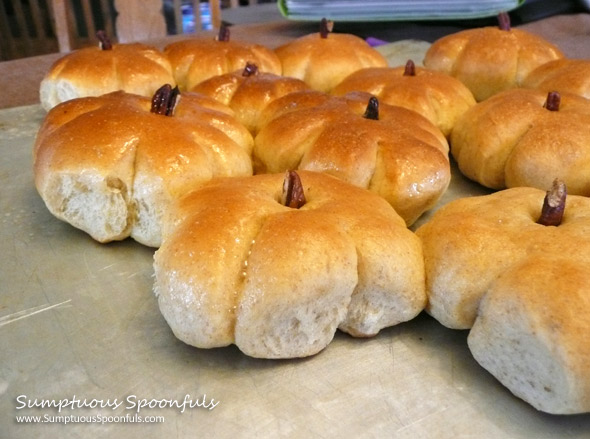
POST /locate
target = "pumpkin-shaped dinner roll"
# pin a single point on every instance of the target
(276, 263)
(438, 97)
(514, 267)
(324, 59)
(93, 71)
(248, 91)
(111, 165)
(525, 137)
(563, 76)
(197, 59)
(489, 60)
(389, 150)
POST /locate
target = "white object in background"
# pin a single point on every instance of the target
(139, 20)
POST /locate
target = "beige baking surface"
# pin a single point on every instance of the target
(78, 318)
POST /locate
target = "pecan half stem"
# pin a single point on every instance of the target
(326, 27)
(553, 204)
(293, 195)
(372, 111)
(504, 21)
(103, 40)
(223, 34)
(410, 69)
(250, 69)
(164, 100)
(553, 101)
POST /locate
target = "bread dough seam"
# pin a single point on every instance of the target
(513, 148)
(243, 275)
(132, 209)
(378, 152)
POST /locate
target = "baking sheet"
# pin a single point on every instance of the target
(79, 321)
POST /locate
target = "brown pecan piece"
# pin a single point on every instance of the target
(250, 69)
(293, 195)
(164, 100)
(326, 27)
(372, 111)
(553, 101)
(504, 21)
(553, 204)
(103, 40)
(410, 69)
(224, 33)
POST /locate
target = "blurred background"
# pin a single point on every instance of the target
(27, 27)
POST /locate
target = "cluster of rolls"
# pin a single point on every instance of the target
(279, 185)
(204, 168)
(513, 267)
(293, 101)
(529, 124)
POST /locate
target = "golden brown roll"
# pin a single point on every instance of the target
(248, 92)
(324, 59)
(93, 71)
(197, 59)
(238, 266)
(494, 265)
(562, 75)
(401, 156)
(489, 60)
(512, 139)
(110, 166)
(438, 97)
